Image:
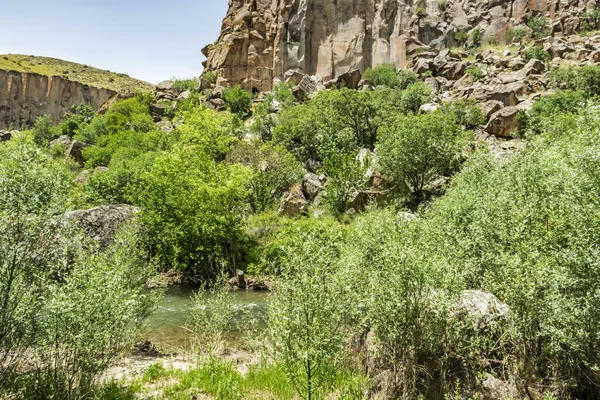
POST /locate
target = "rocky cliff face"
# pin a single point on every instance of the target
(26, 96)
(262, 39)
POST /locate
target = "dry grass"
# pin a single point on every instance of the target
(72, 71)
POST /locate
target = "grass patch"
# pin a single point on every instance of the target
(73, 71)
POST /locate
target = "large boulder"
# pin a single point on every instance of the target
(312, 184)
(504, 122)
(101, 224)
(75, 150)
(294, 202)
(480, 308)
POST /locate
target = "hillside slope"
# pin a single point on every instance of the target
(34, 86)
(72, 71)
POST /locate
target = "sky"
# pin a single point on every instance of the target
(151, 40)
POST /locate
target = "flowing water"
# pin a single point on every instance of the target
(166, 325)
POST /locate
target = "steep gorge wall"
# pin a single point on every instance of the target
(26, 96)
(262, 39)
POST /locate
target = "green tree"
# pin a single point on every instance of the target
(345, 177)
(238, 101)
(34, 189)
(43, 131)
(388, 75)
(416, 148)
(414, 97)
(306, 314)
(274, 171)
(540, 27)
(191, 208)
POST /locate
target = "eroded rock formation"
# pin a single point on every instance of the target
(262, 39)
(26, 96)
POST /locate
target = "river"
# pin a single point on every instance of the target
(165, 326)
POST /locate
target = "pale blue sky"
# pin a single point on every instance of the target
(149, 40)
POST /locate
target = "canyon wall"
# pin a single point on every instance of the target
(262, 39)
(26, 96)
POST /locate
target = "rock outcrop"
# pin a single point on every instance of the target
(26, 96)
(263, 39)
(102, 223)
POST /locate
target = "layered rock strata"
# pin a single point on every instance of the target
(262, 39)
(26, 96)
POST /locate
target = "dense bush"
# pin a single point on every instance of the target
(518, 35)
(536, 53)
(416, 148)
(540, 27)
(238, 101)
(585, 79)
(191, 208)
(544, 112)
(274, 171)
(67, 311)
(388, 75)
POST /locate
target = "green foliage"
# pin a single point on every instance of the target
(264, 120)
(540, 27)
(476, 37)
(89, 319)
(518, 35)
(475, 72)
(214, 314)
(591, 19)
(274, 171)
(493, 41)
(466, 113)
(345, 176)
(181, 85)
(461, 37)
(191, 208)
(43, 131)
(335, 120)
(536, 53)
(414, 97)
(545, 110)
(388, 75)
(585, 79)
(210, 76)
(74, 119)
(128, 114)
(415, 149)
(524, 231)
(238, 101)
(66, 310)
(306, 314)
(442, 5)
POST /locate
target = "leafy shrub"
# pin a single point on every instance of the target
(238, 101)
(476, 37)
(274, 171)
(414, 97)
(306, 315)
(591, 20)
(214, 314)
(416, 148)
(191, 207)
(345, 175)
(535, 53)
(210, 76)
(466, 113)
(43, 131)
(540, 27)
(475, 72)
(545, 110)
(181, 85)
(388, 75)
(461, 37)
(335, 120)
(585, 79)
(518, 35)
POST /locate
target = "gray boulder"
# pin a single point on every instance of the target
(101, 224)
